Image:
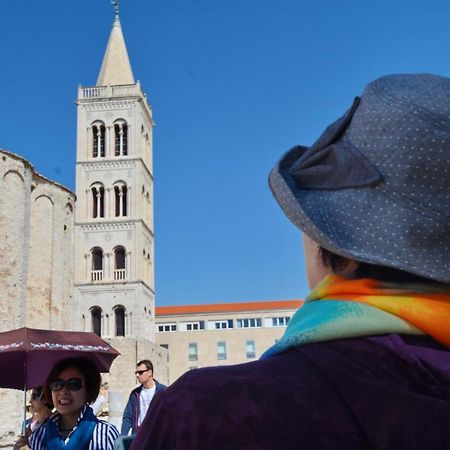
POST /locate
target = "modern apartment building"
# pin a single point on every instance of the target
(217, 334)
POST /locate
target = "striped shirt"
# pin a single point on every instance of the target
(103, 436)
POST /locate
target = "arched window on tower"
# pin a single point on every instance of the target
(98, 200)
(97, 264)
(120, 195)
(120, 138)
(120, 263)
(98, 139)
(119, 313)
(96, 318)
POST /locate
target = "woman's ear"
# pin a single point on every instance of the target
(349, 270)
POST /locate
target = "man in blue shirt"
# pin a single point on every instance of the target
(140, 398)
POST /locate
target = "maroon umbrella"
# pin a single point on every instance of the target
(27, 355)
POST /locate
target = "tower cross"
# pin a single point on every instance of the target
(116, 8)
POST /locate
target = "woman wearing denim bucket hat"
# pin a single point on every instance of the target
(365, 363)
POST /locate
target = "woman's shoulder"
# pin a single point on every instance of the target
(37, 437)
(106, 429)
(104, 435)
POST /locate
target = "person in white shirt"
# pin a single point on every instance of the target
(140, 398)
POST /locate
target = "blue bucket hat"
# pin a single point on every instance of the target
(375, 187)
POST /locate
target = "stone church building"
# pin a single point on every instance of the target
(86, 261)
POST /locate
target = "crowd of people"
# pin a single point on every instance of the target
(365, 362)
(72, 390)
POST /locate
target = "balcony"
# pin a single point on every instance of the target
(96, 275)
(124, 90)
(120, 274)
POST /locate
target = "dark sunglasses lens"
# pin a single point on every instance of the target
(74, 384)
(57, 385)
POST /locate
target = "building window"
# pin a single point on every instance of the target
(165, 327)
(120, 138)
(221, 350)
(192, 326)
(192, 351)
(96, 264)
(280, 321)
(98, 200)
(220, 324)
(96, 317)
(120, 195)
(119, 312)
(249, 323)
(119, 263)
(250, 349)
(98, 140)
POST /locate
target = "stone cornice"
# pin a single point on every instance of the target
(115, 225)
(102, 105)
(101, 227)
(119, 163)
(107, 165)
(101, 287)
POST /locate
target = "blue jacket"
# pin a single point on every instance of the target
(131, 412)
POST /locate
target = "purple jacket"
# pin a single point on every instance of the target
(380, 393)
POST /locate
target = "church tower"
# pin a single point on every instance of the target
(114, 266)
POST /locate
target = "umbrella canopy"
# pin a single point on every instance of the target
(27, 355)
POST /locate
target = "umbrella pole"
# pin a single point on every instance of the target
(24, 396)
(24, 408)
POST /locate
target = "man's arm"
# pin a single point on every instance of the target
(127, 419)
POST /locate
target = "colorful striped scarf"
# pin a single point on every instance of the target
(339, 308)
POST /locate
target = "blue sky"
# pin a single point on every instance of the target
(233, 84)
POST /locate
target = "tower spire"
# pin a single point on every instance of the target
(116, 67)
(116, 9)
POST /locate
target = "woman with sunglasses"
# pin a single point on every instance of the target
(72, 385)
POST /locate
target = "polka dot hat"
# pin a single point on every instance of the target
(375, 187)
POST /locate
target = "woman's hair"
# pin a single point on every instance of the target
(366, 270)
(38, 392)
(88, 370)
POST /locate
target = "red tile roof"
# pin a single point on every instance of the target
(227, 307)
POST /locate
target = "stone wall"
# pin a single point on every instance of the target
(36, 248)
(50, 275)
(15, 188)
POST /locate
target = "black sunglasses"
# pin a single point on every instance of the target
(140, 372)
(72, 384)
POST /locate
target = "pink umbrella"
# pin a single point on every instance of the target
(27, 355)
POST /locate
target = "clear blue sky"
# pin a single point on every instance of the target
(233, 84)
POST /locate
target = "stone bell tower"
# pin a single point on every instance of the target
(114, 265)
